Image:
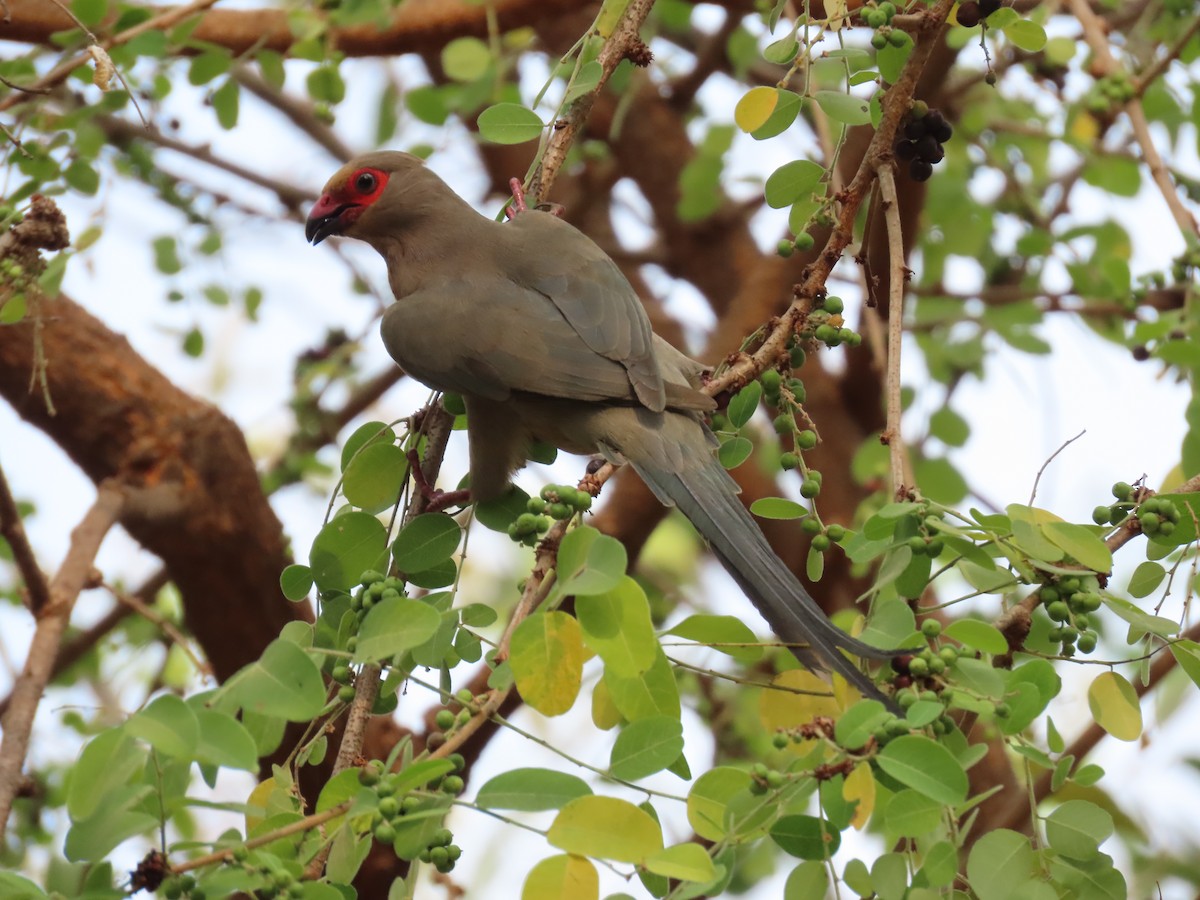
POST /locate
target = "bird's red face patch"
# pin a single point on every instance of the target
(342, 204)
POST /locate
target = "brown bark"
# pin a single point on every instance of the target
(194, 497)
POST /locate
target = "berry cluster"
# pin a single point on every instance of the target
(1069, 603)
(971, 13)
(392, 810)
(924, 132)
(557, 501)
(1155, 515)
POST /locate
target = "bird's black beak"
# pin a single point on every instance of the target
(328, 216)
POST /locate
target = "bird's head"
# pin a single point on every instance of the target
(361, 195)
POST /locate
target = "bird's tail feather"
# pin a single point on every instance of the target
(707, 495)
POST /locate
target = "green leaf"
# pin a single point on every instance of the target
(650, 693)
(949, 427)
(1078, 828)
(82, 177)
(345, 548)
(606, 827)
(787, 107)
(123, 816)
(374, 477)
(891, 60)
(208, 65)
(498, 514)
(546, 657)
(978, 635)
(734, 452)
(224, 741)
(425, 541)
(586, 79)
(1080, 542)
(166, 256)
(1000, 862)
(646, 746)
(856, 725)
(708, 800)
(777, 508)
(14, 887)
(168, 725)
(616, 625)
(755, 108)
(925, 766)
(806, 837)
(428, 104)
(911, 814)
(531, 790)
(792, 181)
(395, 626)
(683, 862)
(509, 123)
(1146, 578)
(589, 563)
(716, 631)
(1115, 707)
(1029, 36)
(108, 762)
(225, 103)
(363, 436)
(562, 877)
(284, 682)
(296, 581)
(466, 59)
(325, 84)
(743, 404)
(844, 108)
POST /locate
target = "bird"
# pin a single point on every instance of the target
(545, 339)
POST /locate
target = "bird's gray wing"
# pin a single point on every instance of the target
(592, 295)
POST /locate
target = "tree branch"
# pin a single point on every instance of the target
(73, 576)
(13, 531)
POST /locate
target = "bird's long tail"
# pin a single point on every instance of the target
(707, 495)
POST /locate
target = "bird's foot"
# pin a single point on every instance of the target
(519, 206)
(436, 499)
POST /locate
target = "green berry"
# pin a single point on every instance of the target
(1122, 490)
(797, 356)
(825, 333)
(443, 837)
(931, 628)
(809, 488)
(821, 543)
(444, 719)
(371, 577)
(785, 248)
(1087, 642)
(834, 305)
(560, 511)
(936, 666)
(453, 784)
(789, 461)
(389, 807)
(918, 668)
(784, 424)
(810, 525)
(916, 544)
(1102, 514)
(385, 833)
(948, 655)
(906, 697)
(804, 241)
(770, 380)
(780, 740)
(1058, 611)
(836, 533)
(346, 693)
(1048, 594)
(775, 780)
(806, 439)
(453, 404)
(369, 775)
(536, 505)
(898, 38)
(341, 674)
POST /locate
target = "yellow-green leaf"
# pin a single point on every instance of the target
(606, 827)
(547, 661)
(753, 110)
(1115, 707)
(684, 862)
(1080, 542)
(562, 877)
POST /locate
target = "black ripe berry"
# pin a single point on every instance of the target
(914, 129)
(906, 150)
(919, 170)
(969, 14)
(987, 7)
(928, 148)
(937, 125)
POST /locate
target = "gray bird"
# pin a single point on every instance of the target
(538, 330)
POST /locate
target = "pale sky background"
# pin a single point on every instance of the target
(1132, 416)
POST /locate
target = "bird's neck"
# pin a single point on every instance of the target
(428, 249)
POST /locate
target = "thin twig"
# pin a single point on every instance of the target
(1097, 40)
(73, 576)
(1038, 478)
(13, 531)
(177, 637)
(897, 276)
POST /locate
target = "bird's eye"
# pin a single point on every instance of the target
(364, 183)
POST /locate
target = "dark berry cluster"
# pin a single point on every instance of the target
(972, 13)
(920, 144)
